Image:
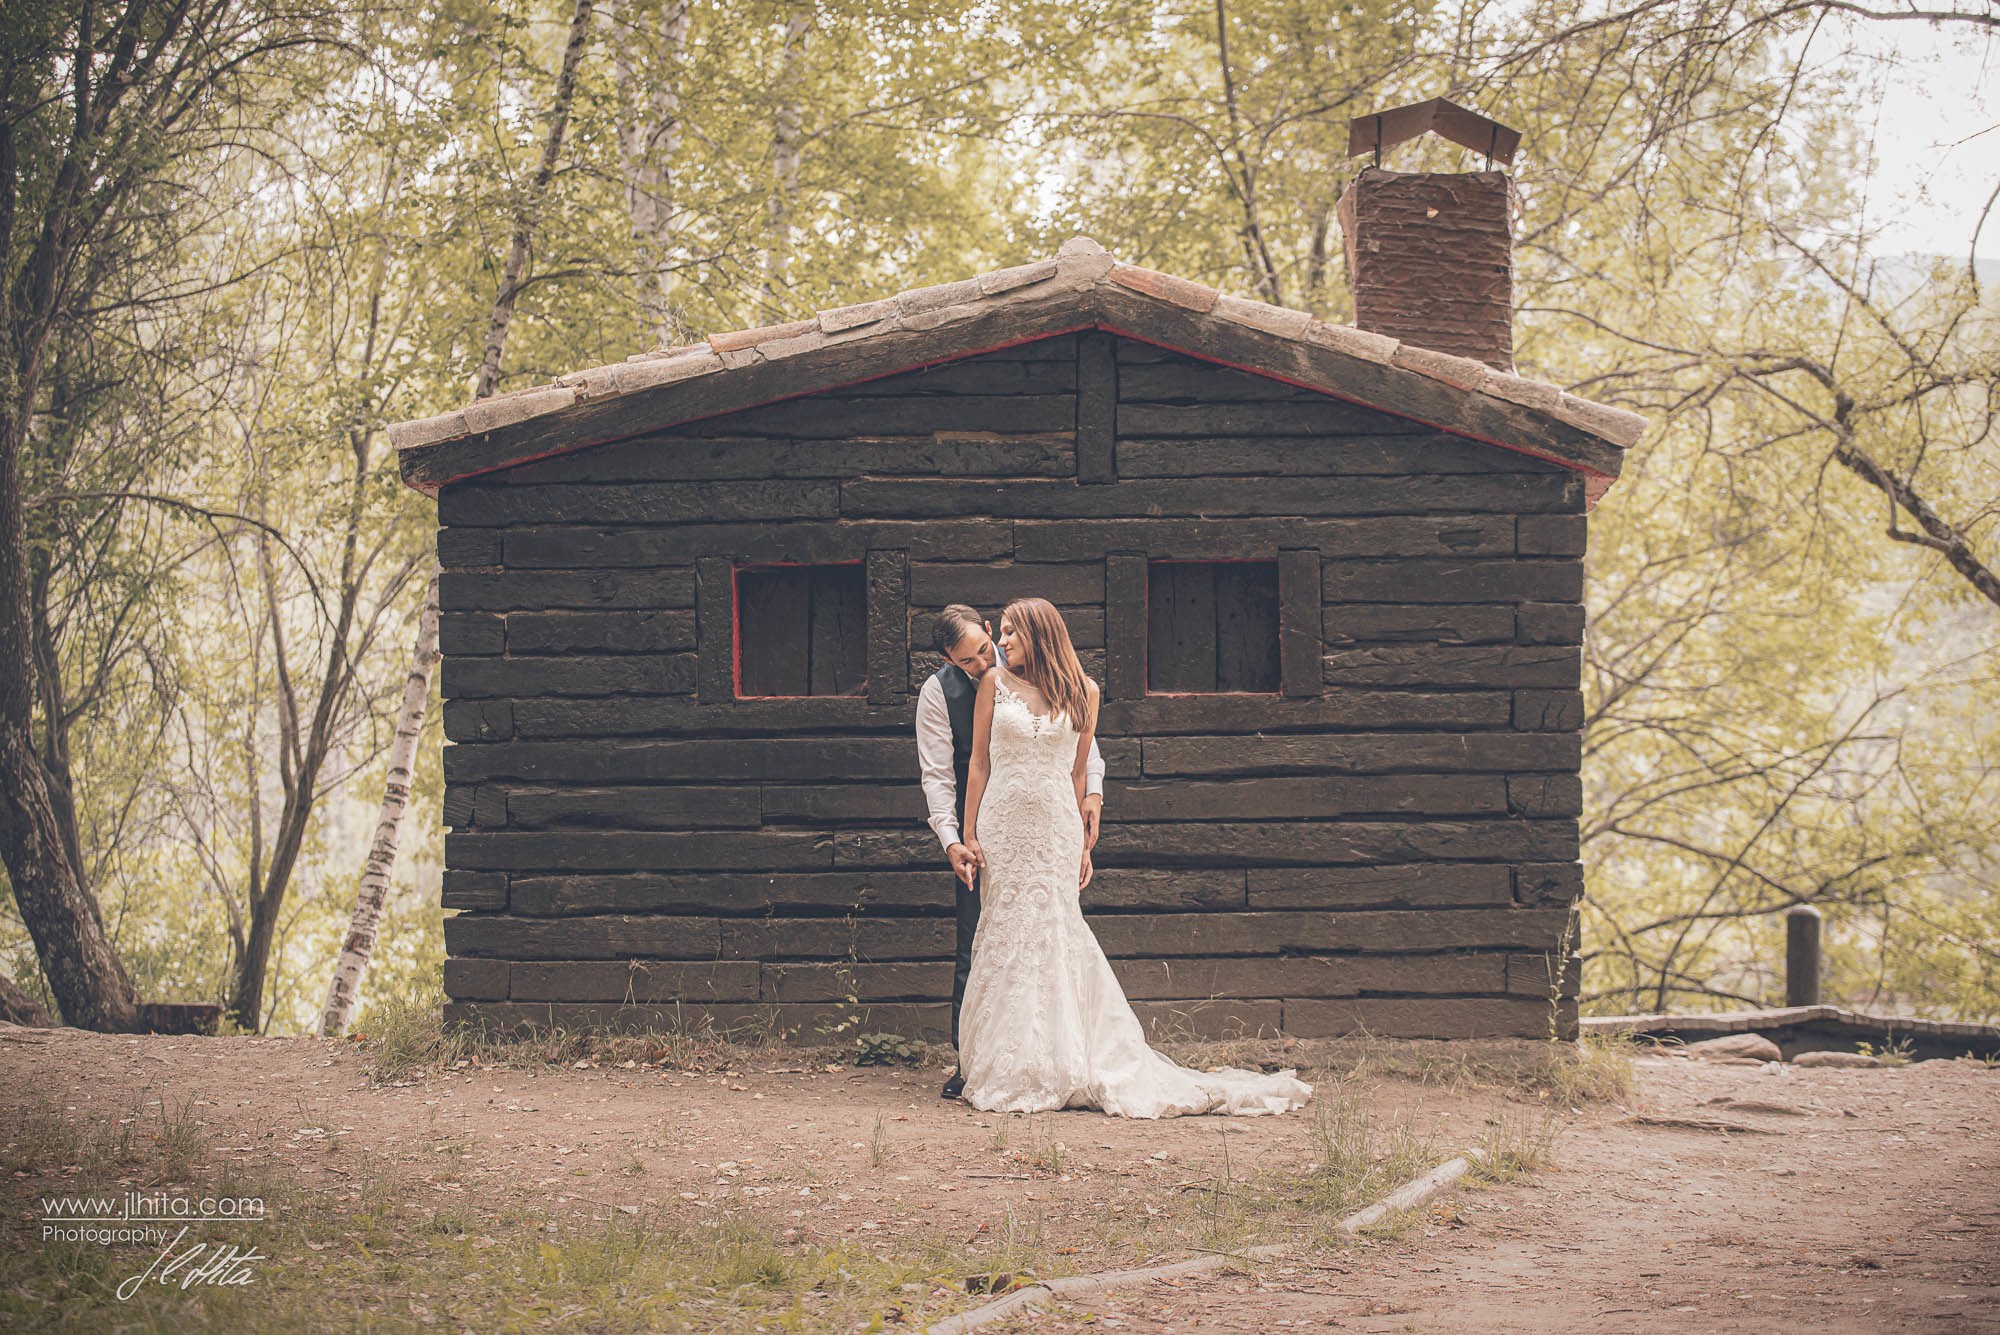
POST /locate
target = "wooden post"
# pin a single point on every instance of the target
(1802, 955)
(715, 630)
(888, 626)
(1125, 626)
(1096, 407)
(1299, 642)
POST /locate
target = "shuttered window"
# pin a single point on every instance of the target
(801, 630)
(1212, 626)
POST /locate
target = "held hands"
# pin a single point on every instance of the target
(966, 859)
(1093, 810)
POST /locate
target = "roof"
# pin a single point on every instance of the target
(1080, 288)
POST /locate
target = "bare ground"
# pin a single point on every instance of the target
(1863, 1200)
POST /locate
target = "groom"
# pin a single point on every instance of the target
(944, 754)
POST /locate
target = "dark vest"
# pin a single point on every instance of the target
(960, 693)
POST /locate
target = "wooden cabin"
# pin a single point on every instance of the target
(1331, 583)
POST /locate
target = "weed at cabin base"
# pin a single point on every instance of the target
(406, 1040)
(1899, 1052)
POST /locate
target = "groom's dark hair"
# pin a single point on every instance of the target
(951, 626)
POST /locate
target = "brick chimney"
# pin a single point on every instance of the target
(1431, 254)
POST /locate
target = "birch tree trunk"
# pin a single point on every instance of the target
(649, 139)
(785, 164)
(512, 279)
(345, 988)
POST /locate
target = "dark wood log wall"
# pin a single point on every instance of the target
(1388, 843)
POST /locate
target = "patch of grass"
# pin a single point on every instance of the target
(405, 1036)
(1516, 1143)
(373, 1255)
(1045, 1152)
(1177, 1038)
(182, 1138)
(1356, 1160)
(406, 1039)
(1597, 1067)
(878, 1144)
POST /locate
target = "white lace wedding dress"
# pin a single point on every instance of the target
(1044, 1023)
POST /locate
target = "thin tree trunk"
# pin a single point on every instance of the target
(785, 164)
(345, 988)
(511, 279)
(649, 138)
(1243, 181)
(303, 747)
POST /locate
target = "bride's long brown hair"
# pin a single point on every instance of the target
(1052, 667)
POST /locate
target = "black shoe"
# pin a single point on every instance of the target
(954, 1086)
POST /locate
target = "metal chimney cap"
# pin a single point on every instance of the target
(1439, 116)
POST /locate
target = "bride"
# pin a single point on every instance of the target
(1045, 1024)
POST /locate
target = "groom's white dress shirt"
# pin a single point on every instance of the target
(934, 761)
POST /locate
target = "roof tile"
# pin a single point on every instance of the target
(852, 317)
(1180, 291)
(779, 348)
(1621, 428)
(1279, 320)
(1534, 394)
(1461, 372)
(750, 338)
(635, 376)
(1020, 275)
(593, 383)
(1354, 342)
(427, 430)
(937, 295)
(940, 316)
(506, 409)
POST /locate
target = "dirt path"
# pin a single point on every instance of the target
(1878, 1210)
(1875, 1207)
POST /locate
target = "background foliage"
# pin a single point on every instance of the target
(1789, 689)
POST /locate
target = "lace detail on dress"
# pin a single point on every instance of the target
(1044, 1023)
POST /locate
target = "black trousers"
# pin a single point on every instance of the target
(968, 926)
